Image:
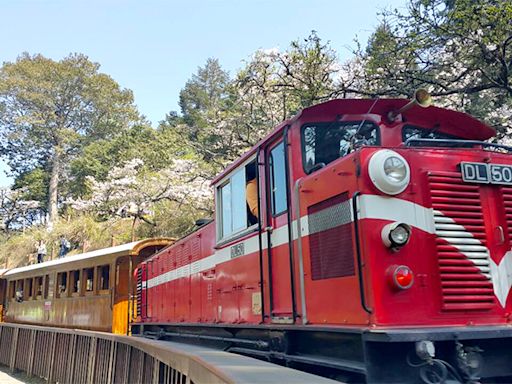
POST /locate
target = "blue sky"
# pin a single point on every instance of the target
(153, 47)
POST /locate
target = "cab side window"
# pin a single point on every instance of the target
(237, 201)
(278, 179)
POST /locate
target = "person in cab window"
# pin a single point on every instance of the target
(251, 194)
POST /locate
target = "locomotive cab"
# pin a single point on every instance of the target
(422, 206)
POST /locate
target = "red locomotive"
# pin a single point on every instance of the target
(367, 240)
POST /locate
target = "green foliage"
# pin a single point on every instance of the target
(172, 219)
(306, 71)
(35, 184)
(18, 250)
(460, 49)
(83, 232)
(48, 104)
(156, 148)
(203, 95)
(223, 117)
(50, 110)
(203, 103)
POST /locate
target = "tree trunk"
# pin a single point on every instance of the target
(53, 190)
(133, 227)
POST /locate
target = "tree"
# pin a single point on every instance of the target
(275, 85)
(34, 184)
(156, 148)
(51, 109)
(221, 118)
(460, 49)
(16, 211)
(132, 191)
(203, 109)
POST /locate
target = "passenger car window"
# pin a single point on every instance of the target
(103, 277)
(75, 281)
(28, 288)
(62, 284)
(323, 143)
(38, 288)
(12, 289)
(89, 279)
(278, 179)
(47, 286)
(20, 290)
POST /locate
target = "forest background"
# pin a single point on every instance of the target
(88, 166)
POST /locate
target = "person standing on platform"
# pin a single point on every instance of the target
(64, 246)
(41, 251)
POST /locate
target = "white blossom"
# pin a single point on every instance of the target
(131, 191)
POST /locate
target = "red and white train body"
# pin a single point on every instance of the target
(382, 250)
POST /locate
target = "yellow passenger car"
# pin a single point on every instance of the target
(87, 291)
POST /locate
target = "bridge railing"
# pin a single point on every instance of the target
(74, 356)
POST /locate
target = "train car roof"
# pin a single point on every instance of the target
(132, 248)
(453, 122)
(457, 123)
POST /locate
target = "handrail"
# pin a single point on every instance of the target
(360, 273)
(77, 356)
(69, 355)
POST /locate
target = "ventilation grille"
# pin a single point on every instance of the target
(506, 193)
(139, 291)
(463, 257)
(330, 238)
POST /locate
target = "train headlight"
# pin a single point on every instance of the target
(395, 169)
(396, 235)
(389, 171)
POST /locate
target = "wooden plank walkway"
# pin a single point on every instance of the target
(6, 377)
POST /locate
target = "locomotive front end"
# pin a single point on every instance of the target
(435, 217)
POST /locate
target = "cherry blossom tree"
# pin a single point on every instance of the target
(461, 50)
(130, 191)
(16, 212)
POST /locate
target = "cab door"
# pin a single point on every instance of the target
(282, 304)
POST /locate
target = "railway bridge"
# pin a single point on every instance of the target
(84, 357)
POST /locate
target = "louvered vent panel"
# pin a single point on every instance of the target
(506, 193)
(330, 238)
(139, 291)
(464, 262)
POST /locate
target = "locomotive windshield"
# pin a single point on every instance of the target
(413, 132)
(323, 143)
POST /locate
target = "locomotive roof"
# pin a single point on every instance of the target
(132, 248)
(449, 121)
